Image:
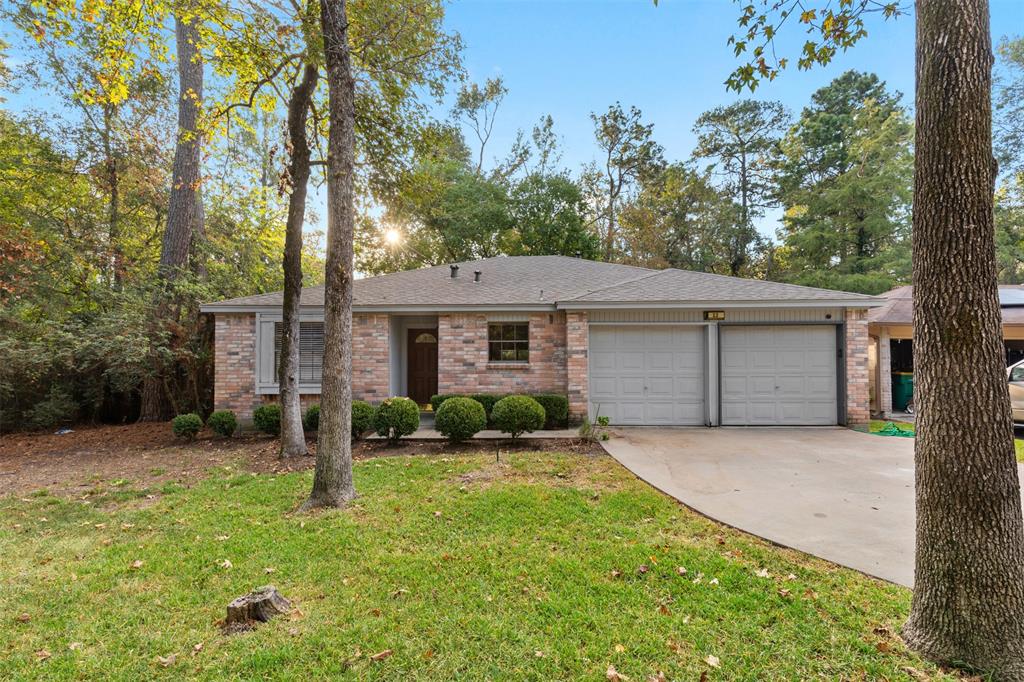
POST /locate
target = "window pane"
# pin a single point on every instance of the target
(522, 332)
(494, 352)
(508, 353)
(523, 354)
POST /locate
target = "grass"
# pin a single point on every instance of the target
(465, 569)
(878, 424)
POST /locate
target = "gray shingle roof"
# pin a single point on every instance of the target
(543, 281)
(684, 286)
(899, 306)
(504, 280)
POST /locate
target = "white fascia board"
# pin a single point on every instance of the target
(724, 305)
(421, 310)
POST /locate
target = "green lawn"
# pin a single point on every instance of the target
(878, 424)
(464, 569)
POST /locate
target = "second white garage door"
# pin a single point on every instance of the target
(648, 375)
(778, 375)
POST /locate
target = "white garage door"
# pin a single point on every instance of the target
(778, 375)
(650, 375)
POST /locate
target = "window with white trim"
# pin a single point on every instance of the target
(311, 351)
(508, 342)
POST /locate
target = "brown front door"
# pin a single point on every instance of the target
(422, 378)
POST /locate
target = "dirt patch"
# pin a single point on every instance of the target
(148, 456)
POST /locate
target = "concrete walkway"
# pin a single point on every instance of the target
(429, 433)
(844, 496)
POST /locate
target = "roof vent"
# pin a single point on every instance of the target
(476, 275)
(455, 270)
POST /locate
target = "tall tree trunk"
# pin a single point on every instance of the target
(968, 605)
(184, 211)
(332, 478)
(293, 439)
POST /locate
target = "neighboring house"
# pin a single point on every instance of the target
(891, 327)
(645, 347)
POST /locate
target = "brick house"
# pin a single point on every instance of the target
(645, 347)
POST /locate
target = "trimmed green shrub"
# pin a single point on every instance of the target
(556, 407)
(362, 418)
(396, 417)
(518, 414)
(223, 423)
(460, 418)
(311, 418)
(187, 425)
(267, 418)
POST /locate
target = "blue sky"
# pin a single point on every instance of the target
(572, 57)
(569, 58)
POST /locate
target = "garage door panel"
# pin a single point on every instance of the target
(649, 374)
(779, 375)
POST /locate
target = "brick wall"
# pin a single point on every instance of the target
(884, 383)
(858, 409)
(577, 341)
(371, 372)
(462, 365)
(234, 364)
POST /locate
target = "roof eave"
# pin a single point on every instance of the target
(397, 308)
(690, 305)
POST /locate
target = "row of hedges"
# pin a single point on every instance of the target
(267, 418)
(556, 407)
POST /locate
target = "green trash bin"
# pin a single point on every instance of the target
(902, 390)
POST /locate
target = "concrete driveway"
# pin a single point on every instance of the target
(838, 494)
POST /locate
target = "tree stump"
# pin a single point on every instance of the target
(258, 606)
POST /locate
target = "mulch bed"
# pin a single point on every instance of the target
(148, 456)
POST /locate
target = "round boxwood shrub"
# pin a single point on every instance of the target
(311, 418)
(267, 418)
(460, 418)
(396, 417)
(186, 425)
(362, 418)
(518, 414)
(223, 423)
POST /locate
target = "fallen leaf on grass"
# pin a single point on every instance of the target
(763, 573)
(381, 655)
(167, 661)
(784, 593)
(399, 592)
(225, 564)
(642, 569)
(681, 570)
(883, 647)
(137, 563)
(657, 677)
(619, 649)
(268, 570)
(428, 654)
(616, 573)
(23, 618)
(917, 674)
(663, 610)
(712, 661)
(538, 653)
(713, 581)
(437, 514)
(75, 646)
(42, 655)
(613, 675)
(674, 646)
(197, 648)
(791, 576)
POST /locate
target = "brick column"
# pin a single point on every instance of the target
(371, 367)
(884, 381)
(577, 341)
(858, 400)
(234, 364)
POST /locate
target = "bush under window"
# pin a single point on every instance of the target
(187, 426)
(267, 418)
(459, 419)
(223, 423)
(518, 414)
